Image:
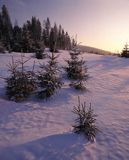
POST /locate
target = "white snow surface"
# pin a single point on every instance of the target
(42, 130)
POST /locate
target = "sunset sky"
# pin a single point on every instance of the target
(98, 23)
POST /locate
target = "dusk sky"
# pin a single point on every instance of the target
(98, 23)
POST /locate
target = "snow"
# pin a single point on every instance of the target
(42, 130)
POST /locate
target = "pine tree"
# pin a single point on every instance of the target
(67, 41)
(125, 52)
(53, 40)
(49, 80)
(76, 69)
(20, 83)
(35, 31)
(85, 121)
(27, 42)
(55, 31)
(59, 37)
(2, 49)
(6, 27)
(63, 39)
(17, 38)
(46, 32)
(0, 27)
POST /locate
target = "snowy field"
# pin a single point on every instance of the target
(42, 130)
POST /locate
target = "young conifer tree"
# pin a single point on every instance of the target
(125, 52)
(76, 69)
(20, 83)
(48, 77)
(85, 121)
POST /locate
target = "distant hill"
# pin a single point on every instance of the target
(95, 50)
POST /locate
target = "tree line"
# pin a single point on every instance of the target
(32, 35)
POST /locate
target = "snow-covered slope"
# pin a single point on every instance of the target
(94, 50)
(41, 130)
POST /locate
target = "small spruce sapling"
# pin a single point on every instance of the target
(39, 54)
(85, 121)
(76, 69)
(125, 52)
(39, 50)
(20, 83)
(49, 80)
